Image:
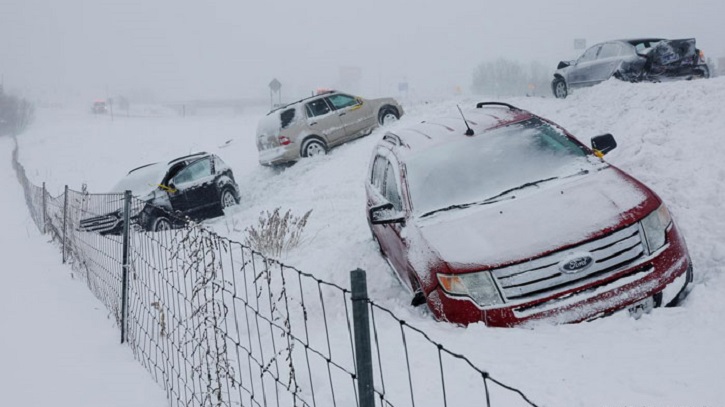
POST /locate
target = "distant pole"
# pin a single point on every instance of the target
(124, 275)
(44, 211)
(65, 218)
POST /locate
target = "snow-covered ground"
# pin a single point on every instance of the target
(58, 345)
(669, 137)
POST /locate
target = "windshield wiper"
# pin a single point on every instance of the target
(490, 200)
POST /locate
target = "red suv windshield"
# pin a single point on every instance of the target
(478, 168)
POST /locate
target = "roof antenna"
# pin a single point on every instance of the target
(469, 132)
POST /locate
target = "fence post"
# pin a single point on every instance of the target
(363, 352)
(124, 274)
(65, 217)
(45, 230)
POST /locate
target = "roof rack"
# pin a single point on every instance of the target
(143, 166)
(188, 156)
(482, 104)
(301, 100)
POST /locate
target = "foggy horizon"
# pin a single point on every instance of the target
(178, 50)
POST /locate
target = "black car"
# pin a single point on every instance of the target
(197, 186)
(644, 59)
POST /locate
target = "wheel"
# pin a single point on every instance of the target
(560, 89)
(388, 116)
(227, 198)
(705, 71)
(160, 224)
(313, 147)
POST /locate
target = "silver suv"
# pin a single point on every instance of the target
(312, 126)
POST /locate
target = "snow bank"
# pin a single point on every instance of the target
(668, 137)
(59, 347)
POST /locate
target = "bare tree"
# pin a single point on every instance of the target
(504, 77)
(15, 114)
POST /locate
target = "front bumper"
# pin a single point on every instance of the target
(665, 272)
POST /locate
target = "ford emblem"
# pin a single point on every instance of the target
(576, 262)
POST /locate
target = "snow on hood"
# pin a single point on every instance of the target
(536, 221)
(142, 181)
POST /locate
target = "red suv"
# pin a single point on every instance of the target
(504, 217)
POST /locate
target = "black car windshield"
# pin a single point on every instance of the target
(142, 180)
(492, 164)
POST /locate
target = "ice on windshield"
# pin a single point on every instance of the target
(142, 180)
(477, 168)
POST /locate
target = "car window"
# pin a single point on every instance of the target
(194, 172)
(609, 50)
(342, 101)
(377, 178)
(590, 54)
(392, 193)
(317, 108)
(643, 45)
(286, 117)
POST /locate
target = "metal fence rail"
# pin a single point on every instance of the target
(218, 324)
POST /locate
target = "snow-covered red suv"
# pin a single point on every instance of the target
(506, 218)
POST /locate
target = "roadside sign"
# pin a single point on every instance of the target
(275, 85)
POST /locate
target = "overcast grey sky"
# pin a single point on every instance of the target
(181, 49)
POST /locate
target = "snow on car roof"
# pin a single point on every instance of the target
(430, 133)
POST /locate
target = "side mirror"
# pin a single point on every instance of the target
(564, 64)
(603, 144)
(385, 214)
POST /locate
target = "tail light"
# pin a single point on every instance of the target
(702, 56)
(283, 141)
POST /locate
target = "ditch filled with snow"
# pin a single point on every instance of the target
(669, 137)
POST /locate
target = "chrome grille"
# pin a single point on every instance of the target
(99, 224)
(542, 276)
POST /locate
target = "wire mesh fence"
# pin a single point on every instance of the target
(219, 324)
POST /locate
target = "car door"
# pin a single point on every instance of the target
(356, 115)
(607, 62)
(385, 187)
(323, 121)
(195, 194)
(580, 73)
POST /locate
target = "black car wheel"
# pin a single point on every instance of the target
(160, 224)
(313, 147)
(388, 116)
(227, 198)
(560, 89)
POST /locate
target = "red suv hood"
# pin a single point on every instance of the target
(538, 221)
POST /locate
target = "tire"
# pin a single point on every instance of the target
(227, 198)
(388, 116)
(313, 147)
(558, 86)
(160, 224)
(705, 72)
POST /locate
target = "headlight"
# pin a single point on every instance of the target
(478, 286)
(655, 225)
